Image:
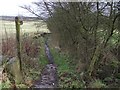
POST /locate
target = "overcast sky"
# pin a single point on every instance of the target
(11, 7)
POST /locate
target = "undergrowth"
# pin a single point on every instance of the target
(34, 60)
(66, 73)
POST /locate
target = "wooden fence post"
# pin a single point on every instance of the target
(17, 22)
(18, 66)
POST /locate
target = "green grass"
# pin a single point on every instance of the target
(66, 72)
(42, 57)
(61, 61)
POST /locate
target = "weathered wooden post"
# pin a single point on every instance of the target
(18, 66)
(17, 23)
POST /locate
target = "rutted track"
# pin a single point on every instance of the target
(48, 78)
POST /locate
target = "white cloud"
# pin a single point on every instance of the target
(11, 7)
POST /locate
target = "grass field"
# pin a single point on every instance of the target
(27, 27)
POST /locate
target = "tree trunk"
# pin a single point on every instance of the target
(94, 59)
